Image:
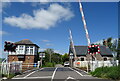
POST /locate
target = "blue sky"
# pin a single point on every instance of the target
(47, 24)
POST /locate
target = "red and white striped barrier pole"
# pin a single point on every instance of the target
(84, 23)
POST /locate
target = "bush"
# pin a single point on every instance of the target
(107, 72)
(49, 64)
(10, 75)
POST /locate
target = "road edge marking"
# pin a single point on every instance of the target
(76, 71)
(54, 74)
(34, 77)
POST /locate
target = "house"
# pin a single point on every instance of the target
(90, 62)
(26, 52)
(81, 52)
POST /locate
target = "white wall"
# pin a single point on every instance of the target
(22, 50)
(95, 64)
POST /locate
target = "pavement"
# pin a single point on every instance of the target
(55, 74)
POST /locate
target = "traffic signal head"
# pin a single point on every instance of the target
(93, 49)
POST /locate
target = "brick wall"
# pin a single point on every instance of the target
(26, 59)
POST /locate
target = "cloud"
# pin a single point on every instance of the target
(59, 51)
(55, 51)
(41, 19)
(45, 41)
(3, 33)
(42, 50)
(49, 44)
(45, 2)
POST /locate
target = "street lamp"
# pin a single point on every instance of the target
(71, 57)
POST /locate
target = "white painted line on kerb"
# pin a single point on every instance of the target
(54, 74)
(32, 73)
(76, 71)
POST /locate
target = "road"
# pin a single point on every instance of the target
(55, 74)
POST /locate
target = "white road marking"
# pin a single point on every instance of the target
(85, 72)
(54, 74)
(34, 77)
(76, 71)
(70, 78)
(32, 73)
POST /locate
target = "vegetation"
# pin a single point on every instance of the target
(65, 57)
(118, 51)
(113, 47)
(10, 75)
(49, 64)
(52, 58)
(107, 72)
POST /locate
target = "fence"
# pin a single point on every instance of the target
(92, 65)
(17, 67)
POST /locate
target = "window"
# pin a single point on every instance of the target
(21, 49)
(105, 59)
(27, 51)
(31, 51)
(27, 47)
(82, 59)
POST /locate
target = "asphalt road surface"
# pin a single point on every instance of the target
(55, 74)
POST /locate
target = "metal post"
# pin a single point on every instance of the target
(50, 57)
(71, 63)
(41, 61)
(92, 63)
(87, 67)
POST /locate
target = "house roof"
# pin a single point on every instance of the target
(82, 50)
(25, 42)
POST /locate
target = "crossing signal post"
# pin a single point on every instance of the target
(10, 47)
(92, 50)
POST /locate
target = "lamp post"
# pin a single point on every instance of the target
(71, 57)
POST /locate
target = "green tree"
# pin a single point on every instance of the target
(65, 57)
(56, 58)
(49, 52)
(118, 50)
(109, 44)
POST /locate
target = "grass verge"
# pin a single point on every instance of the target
(107, 72)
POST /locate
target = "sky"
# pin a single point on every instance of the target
(47, 24)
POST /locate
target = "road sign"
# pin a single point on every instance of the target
(42, 55)
(71, 55)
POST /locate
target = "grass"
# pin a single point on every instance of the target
(107, 72)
